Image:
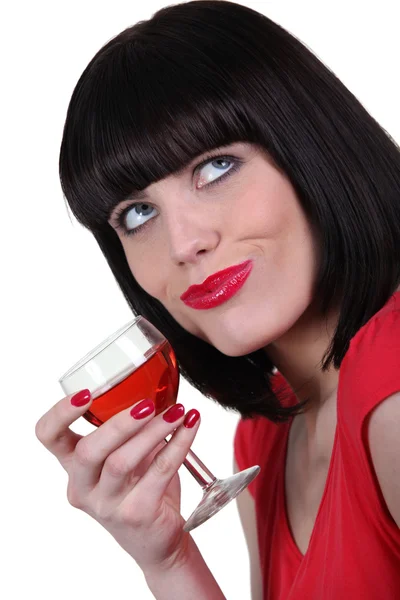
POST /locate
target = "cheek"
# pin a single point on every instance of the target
(143, 267)
(269, 211)
(149, 275)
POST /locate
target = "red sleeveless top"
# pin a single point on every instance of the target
(354, 550)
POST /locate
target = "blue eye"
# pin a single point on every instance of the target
(135, 218)
(218, 164)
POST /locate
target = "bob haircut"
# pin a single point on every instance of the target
(203, 74)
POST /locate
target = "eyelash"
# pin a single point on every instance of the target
(120, 215)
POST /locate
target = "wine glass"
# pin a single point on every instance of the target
(138, 362)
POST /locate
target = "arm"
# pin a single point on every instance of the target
(384, 444)
(191, 580)
(247, 515)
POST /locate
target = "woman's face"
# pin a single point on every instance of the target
(195, 228)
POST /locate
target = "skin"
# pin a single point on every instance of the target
(123, 474)
(196, 229)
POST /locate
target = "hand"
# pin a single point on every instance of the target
(124, 475)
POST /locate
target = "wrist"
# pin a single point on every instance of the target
(186, 553)
(184, 576)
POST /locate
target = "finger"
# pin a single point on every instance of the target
(128, 463)
(52, 429)
(153, 484)
(93, 449)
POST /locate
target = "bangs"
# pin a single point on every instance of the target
(143, 109)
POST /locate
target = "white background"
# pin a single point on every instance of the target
(59, 298)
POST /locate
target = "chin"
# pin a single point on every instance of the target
(235, 334)
(225, 344)
(237, 347)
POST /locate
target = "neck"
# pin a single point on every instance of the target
(298, 356)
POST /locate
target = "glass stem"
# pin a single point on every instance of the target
(198, 469)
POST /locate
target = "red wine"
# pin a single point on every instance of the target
(157, 379)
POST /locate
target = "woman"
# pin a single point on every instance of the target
(208, 137)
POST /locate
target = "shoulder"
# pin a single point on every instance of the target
(248, 519)
(384, 445)
(382, 326)
(259, 430)
(370, 379)
(371, 366)
(251, 437)
(257, 440)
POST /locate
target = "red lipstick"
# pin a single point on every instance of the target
(217, 288)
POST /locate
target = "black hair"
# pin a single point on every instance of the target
(204, 74)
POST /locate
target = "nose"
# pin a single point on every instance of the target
(190, 238)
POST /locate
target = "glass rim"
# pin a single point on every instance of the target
(101, 347)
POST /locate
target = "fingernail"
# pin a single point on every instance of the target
(81, 398)
(143, 409)
(191, 418)
(174, 413)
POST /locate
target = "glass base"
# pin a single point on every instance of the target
(218, 494)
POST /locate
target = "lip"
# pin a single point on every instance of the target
(217, 288)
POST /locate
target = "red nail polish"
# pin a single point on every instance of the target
(174, 413)
(81, 398)
(191, 418)
(143, 409)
